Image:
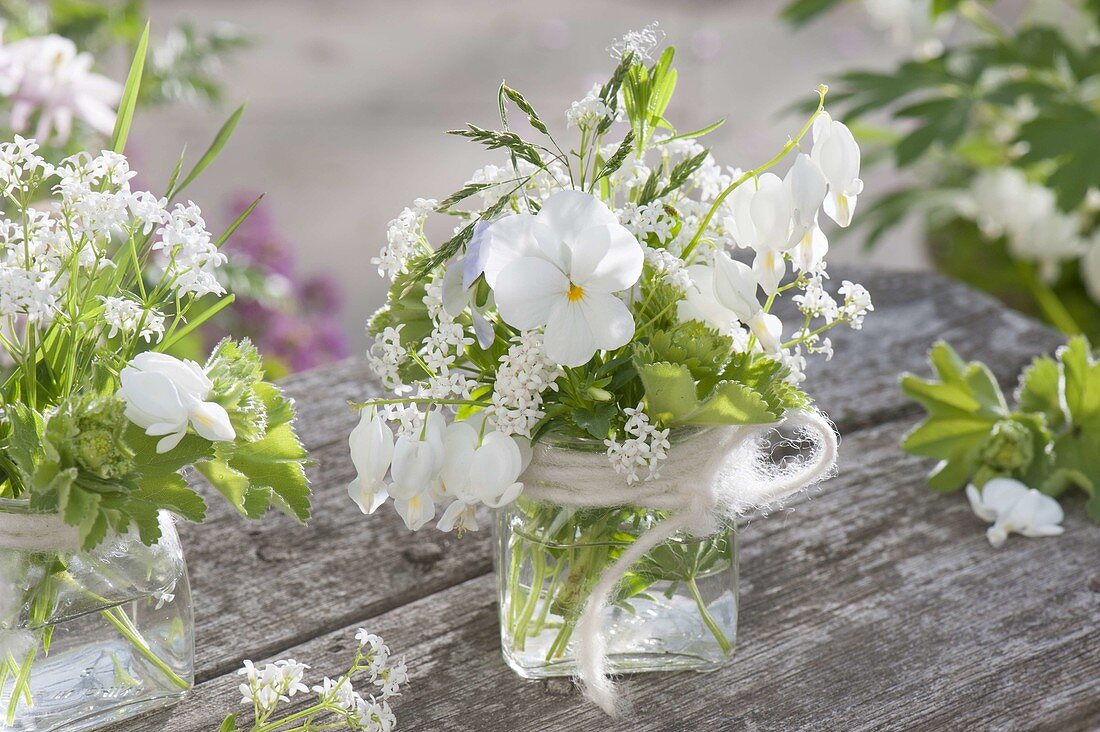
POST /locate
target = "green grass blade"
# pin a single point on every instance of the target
(212, 152)
(126, 107)
(204, 316)
(238, 221)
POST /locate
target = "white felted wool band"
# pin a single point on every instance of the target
(37, 532)
(708, 478)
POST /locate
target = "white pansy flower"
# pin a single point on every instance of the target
(1013, 507)
(371, 444)
(164, 394)
(561, 269)
(837, 155)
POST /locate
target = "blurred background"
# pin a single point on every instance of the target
(348, 102)
(977, 120)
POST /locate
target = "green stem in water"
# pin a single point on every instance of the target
(1053, 308)
(20, 685)
(116, 617)
(708, 619)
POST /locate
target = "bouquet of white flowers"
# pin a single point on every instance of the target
(97, 424)
(616, 297)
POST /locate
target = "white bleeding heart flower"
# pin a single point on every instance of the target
(837, 155)
(495, 470)
(418, 459)
(701, 303)
(164, 394)
(561, 269)
(416, 510)
(761, 221)
(807, 188)
(371, 444)
(735, 288)
(1013, 507)
(810, 251)
(487, 473)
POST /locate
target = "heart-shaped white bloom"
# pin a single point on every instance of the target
(418, 459)
(761, 221)
(164, 394)
(371, 445)
(807, 187)
(835, 151)
(487, 473)
(735, 287)
(1012, 506)
(561, 269)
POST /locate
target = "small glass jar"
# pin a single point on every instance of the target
(674, 610)
(88, 638)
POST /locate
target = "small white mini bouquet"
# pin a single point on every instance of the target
(594, 347)
(99, 424)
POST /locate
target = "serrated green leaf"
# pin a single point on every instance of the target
(171, 492)
(669, 391)
(733, 403)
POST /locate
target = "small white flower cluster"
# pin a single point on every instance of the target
(588, 112)
(671, 268)
(386, 356)
(96, 206)
(649, 218)
(404, 238)
(645, 447)
(124, 315)
(276, 682)
(642, 43)
(525, 373)
(1003, 202)
(265, 687)
(188, 254)
(47, 76)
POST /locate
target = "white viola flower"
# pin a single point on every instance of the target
(735, 287)
(561, 269)
(806, 185)
(837, 155)
(371, 444)
(164, 394)
(48, 76)
(1013, 507)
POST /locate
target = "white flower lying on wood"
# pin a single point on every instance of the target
(1012, 506)
(164, 394)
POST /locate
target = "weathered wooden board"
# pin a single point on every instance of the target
(849, 569)
(877, 605)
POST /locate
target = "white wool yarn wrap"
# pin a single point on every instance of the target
(712, 476)
(36, 532)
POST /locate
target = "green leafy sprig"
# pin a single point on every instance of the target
(1049, 441)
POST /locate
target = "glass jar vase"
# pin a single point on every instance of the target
(88, 638)
(674, 610)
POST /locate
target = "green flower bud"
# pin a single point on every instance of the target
(1009, 447)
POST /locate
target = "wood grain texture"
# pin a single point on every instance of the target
(878, 605)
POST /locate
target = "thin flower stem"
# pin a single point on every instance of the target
(116, 617)
(1051, 305)
(418, 400)
(755, 172)
(708, 619)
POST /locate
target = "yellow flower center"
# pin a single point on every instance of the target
(575, 293)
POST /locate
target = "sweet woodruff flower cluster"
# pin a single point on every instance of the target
(610, 292)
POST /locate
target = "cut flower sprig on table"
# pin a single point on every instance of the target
(616, 291)
(98, 423)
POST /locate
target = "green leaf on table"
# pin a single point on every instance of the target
(1077, 448)
(964, 406)
(1040, 390)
